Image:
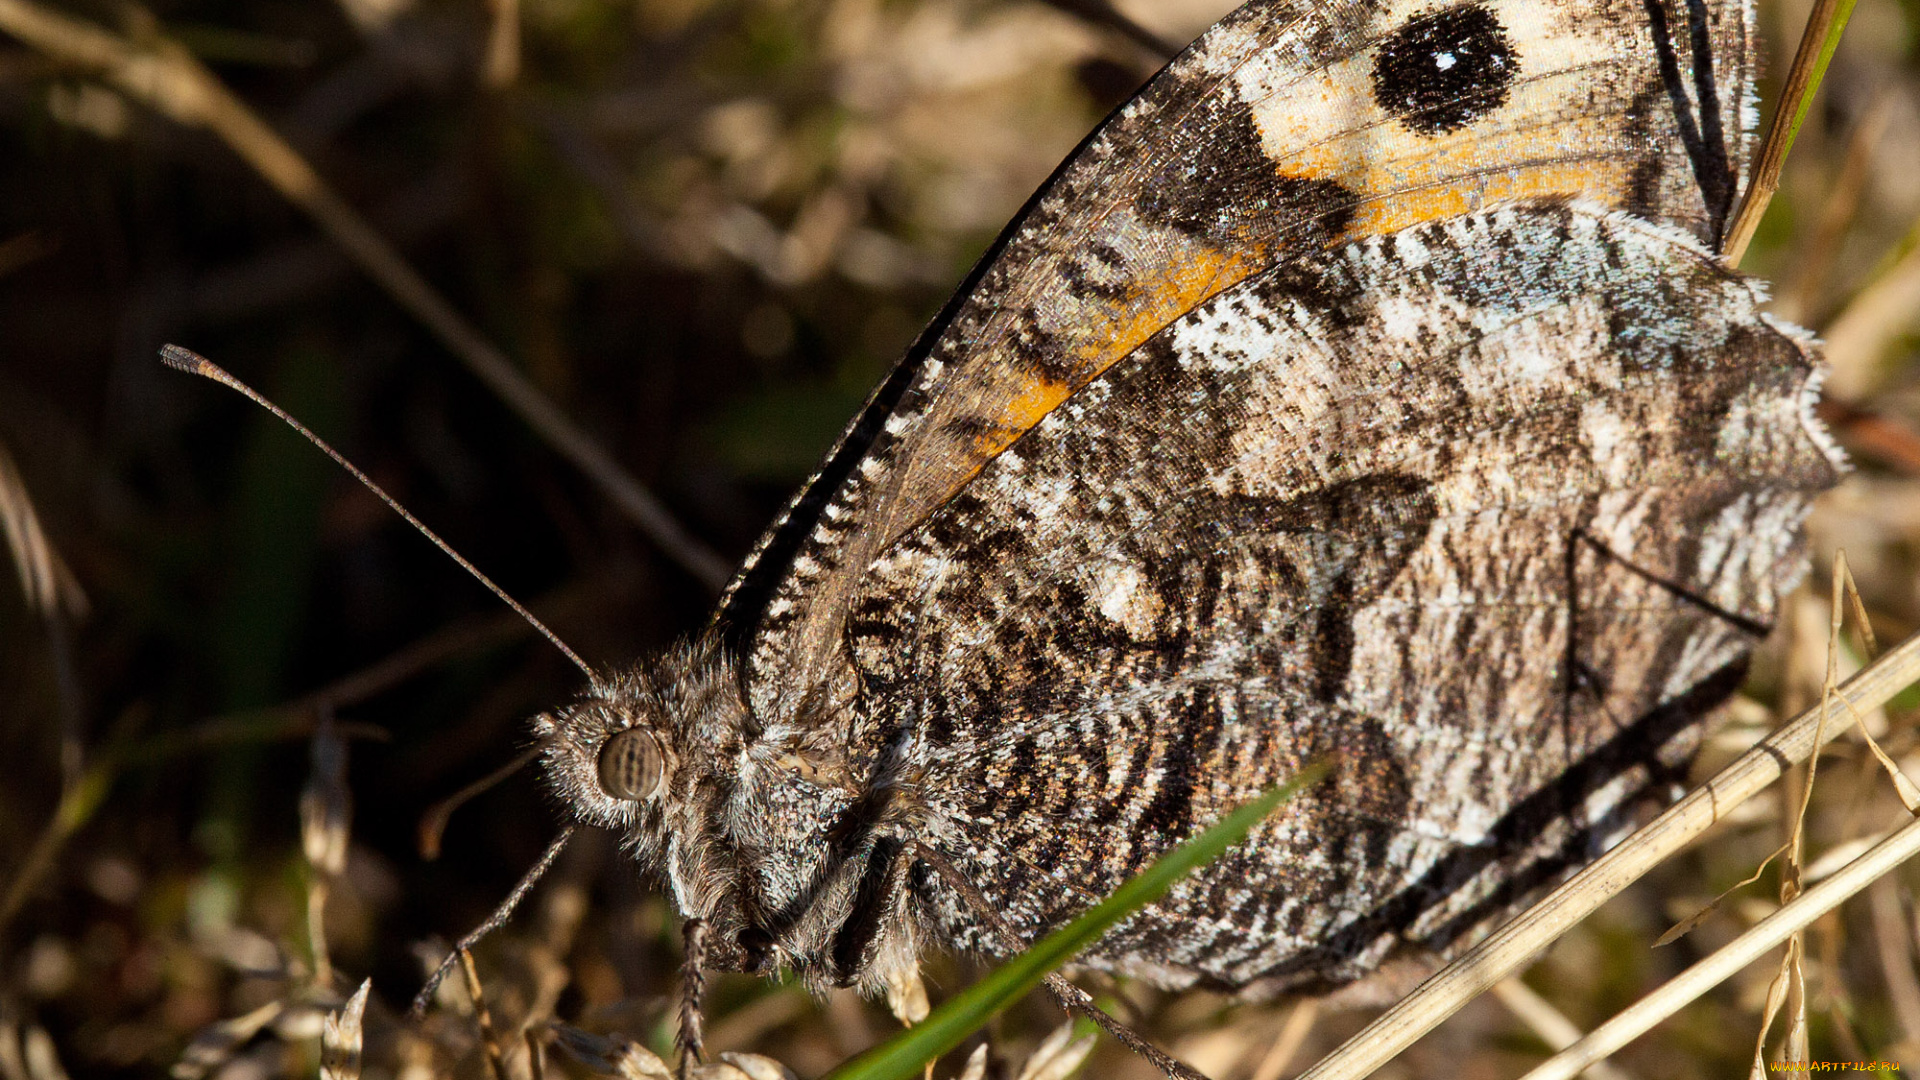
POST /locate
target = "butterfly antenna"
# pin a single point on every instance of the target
(192, 362)
(494, 922)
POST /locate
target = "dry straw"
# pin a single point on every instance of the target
(1519, 941)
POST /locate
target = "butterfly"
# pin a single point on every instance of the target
(1365, 389)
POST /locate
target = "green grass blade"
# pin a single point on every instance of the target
(1829, 41)
(904, 1056)
(1825, 23)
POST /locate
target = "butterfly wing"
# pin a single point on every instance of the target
(1290, 126)
(1489, 511)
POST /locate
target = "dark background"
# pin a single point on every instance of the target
(703, 228)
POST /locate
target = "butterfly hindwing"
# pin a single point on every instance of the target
(1426, 504)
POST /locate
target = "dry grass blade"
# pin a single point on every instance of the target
(217, 1043)
(1903, 787)
(613, 1055)
(341, 1038)
(1057, 1055)
(1829, 693)
(1550, 1024)
(496, 1062)
(52, 591)
(49, 586)
(1523, 938)
(326, 807)
(1894, 935)
(1293, 1034)
(1824, 25)
(168, 78)
(1692, 922)
(1788, 990)
(1743, 950)
(42, 1059)
(744, 1067)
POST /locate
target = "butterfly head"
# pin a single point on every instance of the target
(639, 752)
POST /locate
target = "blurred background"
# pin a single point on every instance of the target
(703, 228)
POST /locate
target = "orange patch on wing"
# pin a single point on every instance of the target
(1186, 285)
(1404, 179)
(1107, 332)
(1027, 408)
(1603, 181)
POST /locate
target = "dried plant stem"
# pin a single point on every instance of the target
(536, 1052)
(1895, 938)
(1527, 934)
(1550, 1024)
(496, 1062)
(1789, 987)
(342, 1037)
(169, 79)
(1824, 25)
(1292, 1036)
(317, 886)
(1726, 962)
(55, 594)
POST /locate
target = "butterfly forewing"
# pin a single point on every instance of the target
(1288, 127)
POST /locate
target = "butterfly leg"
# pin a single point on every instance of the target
(690, 1040)
(858, 939)
(1070, 997)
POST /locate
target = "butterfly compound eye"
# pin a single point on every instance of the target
(630, 765)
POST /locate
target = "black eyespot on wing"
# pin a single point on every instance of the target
(1441, 72)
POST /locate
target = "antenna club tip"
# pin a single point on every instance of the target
(183, 359)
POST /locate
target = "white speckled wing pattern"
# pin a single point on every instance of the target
(1291, 125)
(1489, 510)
